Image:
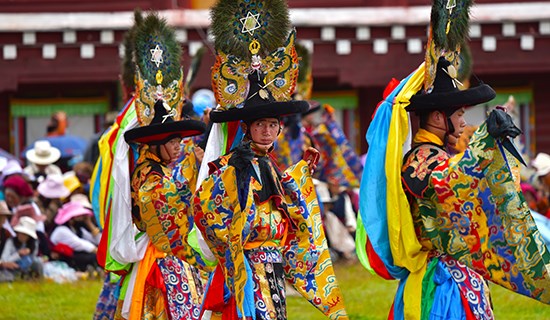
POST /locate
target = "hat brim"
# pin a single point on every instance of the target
(26, 231)
(314, 106)
(61, 219)
(162, 133)
(55, 154)
(250, 113)
(451, 100)
(53, 193)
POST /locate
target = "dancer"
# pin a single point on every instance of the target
(447, 223)
(262, 225)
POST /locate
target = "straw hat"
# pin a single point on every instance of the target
(542, 164)
(70, 210)
(43, 153)
(53, 187)
(26, 225)
(82, 199)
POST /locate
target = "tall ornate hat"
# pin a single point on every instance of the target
(448, 61)
(445, 93)
(304, 84)
(256, 65)
(159, 85)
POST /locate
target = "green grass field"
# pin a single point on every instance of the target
(366, 297)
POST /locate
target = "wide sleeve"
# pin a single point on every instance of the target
(166, 216)
(307, 262)
(221, 218)
(479, 216)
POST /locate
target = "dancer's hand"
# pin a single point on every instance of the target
(311, 156)
(199, 153)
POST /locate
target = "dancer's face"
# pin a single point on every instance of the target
(457, 118)
(265, 131)
(170, 151)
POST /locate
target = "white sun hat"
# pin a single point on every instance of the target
(542, 164)
(26, 225)
(43, 153)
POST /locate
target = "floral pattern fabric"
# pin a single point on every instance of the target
(468, 209)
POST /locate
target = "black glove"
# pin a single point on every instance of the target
(500, 125)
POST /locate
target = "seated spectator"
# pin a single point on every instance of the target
(6, 231)
(342, 207)
(77, 231)
(19, 198)
(83, 171)
(20, 253)
(41, 161)
(341, 243)
(51, 191)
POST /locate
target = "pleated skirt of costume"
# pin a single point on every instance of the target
(107, 301)
(268, 289)
(173, 290)
(269, 282)
(450, 291)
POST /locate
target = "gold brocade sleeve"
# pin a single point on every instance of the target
(307, 261)
(164, 214)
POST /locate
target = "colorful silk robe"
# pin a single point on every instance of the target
(341, 164)
(227, 213)
(471, 218)
(167, 285)
(470, 208)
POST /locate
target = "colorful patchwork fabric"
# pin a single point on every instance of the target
(288, 149)
(161, 204)
(468, 208)
(466, 219)
(350, 156)
(334, 167)
(228, 227)
(102, 185)
(184, 288)
(482, 220)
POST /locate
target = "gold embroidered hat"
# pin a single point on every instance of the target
(159, 85)
(256, 66)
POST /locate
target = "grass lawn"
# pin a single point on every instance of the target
(366, 297)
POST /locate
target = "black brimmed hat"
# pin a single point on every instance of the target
(446, 95)
(163, 128)
(256, 63)
(260, 103)
(159, 102)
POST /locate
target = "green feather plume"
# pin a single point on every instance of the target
(465, 63)
(450, 29)
(227, 27)
(305, 61)
(154, 31)
(194, 68)
(128, 63)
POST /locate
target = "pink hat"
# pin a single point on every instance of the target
(26, 210)
(53, 188)
(70, 210)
